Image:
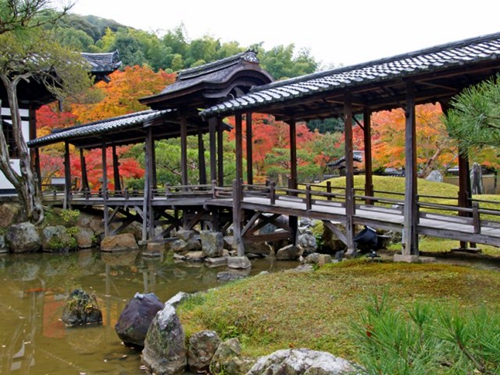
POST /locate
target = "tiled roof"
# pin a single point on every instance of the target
(435, 59)
(108, 126)
(103, 62)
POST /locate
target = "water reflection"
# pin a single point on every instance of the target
(34, 340)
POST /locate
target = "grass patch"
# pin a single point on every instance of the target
(316, 310)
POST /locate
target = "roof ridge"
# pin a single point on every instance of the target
(385, 60)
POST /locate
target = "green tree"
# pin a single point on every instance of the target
(474, 117)
(29, 54)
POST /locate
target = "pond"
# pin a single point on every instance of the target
(34, 340)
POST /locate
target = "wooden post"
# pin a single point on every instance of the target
(220, 152)
(104, 189)
(201, 158)
(237, 218)
(249, 148)
(349, 178)
(367, 138)
(410, 234)
(85, 179)
(239, 146)
(67, 176)
(293, 154)
(184, 174)
(147, 209)
(116, 170)
(212, 127)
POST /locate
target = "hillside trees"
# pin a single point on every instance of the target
(29, 54)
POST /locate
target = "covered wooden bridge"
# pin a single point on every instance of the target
(238, 87)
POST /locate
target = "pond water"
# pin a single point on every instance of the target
(33, 339)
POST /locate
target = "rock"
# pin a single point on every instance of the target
(212, 243)
(120, 242)
(239, 262)
(181, 246)
(194, 256)
(57, 239)
(136, 317)
(216, 262)
(312, 258)
(178, 298)
(3, 245)
(9, 214)
(290, 252)
(308, 242)
(301, 361)
(81, 309)
(261, 248)
(227, 359)
(85, 238)
(306, 222)
(164, 347)
(233, 275)
(435, 176)
(185, 235)
(324, 259)
(202, 347)
(23, 238)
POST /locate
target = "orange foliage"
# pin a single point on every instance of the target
(122, 93)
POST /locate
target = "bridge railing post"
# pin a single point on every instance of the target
(476, 220)
(308, 197)
(272, 192)
(329, 190)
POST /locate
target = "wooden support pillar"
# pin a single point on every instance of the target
(147, 209)
(38, 170)
(464, 190)
(184, 171)
(104, 189)
(239, 147)
(410, 235)
(67, 176)
(293, 221)
(34, 154)
(116, 170)
(349, 178)
(238, 218)
(85, 179)
(201, 158)
(212, 127)
(154, 177)
(249, 148)
(367, 138)
(220, 152)
(293, 154)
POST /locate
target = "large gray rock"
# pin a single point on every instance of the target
(239, 262)
(57, 239)
(308, 242)
(202, 347)
(85, 238)
(290, 252)
(136, 317)
(164, 350)
(23, 238)
(181, 246)
(435, 176)
(81, 309)
(212, 243)
(9, 214)
(120, 242)
(301, 362)
(227, 359)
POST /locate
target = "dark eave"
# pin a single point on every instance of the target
(123, 130)
(211, 83)
(438, 73)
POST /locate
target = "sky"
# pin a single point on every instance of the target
(344, 32)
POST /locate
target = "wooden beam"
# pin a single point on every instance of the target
(212, 126)
(184, 174)
(367, 138)
(220, 152)
(249, 148)
(85, 179)
(104, 188)
(201, 158)
(293, 153)
(410, 234)
(116, 170)
(67, 176)
(239, 147)
(349, 167)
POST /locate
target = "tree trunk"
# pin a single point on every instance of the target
(25, 183)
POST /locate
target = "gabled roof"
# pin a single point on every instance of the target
(122, 130)
(211, 83)
(438, 73)
(102, 64)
